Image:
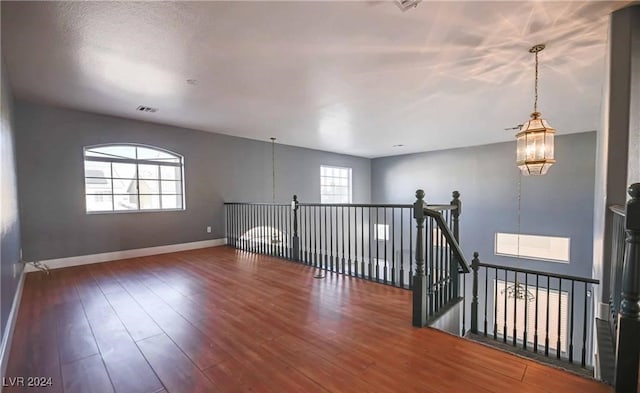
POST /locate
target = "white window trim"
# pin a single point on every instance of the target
(350, 181)
(138, 210)
(500, 250)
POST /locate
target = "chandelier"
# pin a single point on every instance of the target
(535, 140)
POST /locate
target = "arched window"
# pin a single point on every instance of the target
(128, 177)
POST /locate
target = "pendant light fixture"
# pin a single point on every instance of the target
(535, 141)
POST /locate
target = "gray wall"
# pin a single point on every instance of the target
(558, 204)
(618, 155)
(9, 221)
(218, 168)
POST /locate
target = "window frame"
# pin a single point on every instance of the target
(521, 255)
(180, 164)
(349, 185)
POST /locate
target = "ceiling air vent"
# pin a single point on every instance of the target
(148, 109)
(406, 4)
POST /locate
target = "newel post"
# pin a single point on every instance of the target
(456, 214)
(628, 340)
(475, 266)
(296, 239)
(419, 279)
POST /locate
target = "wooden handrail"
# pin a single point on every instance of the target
(618, 209)
(446, 232)
(438, 207)
(534, 272)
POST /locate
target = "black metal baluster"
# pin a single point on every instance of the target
(315, 239)
(515, 308)
(571, 332)
(257, 231)
(410, 253)
(506, 282)
(386, 235)
(546, 339)
(377, 246)
(336, 258)
(526, 310)
(559, 317)
(495, 306)
(584, 328)
(362, 243)
(401, 247)
(343, 238)
(243, 218)
(440, 267)
(370, 246)
(432, 282)
(393, 246)
(330, 239)
(486, 296)
(239, 225)
(349, 235)
(448, 261)
(535, 334)
(339, 237)
(247, 232)
(326, 239)
(230, 236)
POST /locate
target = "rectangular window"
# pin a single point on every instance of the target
(548, 248)
(335, 184)
(120, 178)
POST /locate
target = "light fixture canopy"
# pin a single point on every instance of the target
(535, 140)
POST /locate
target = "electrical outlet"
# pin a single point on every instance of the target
(16, 269)
(208, 229)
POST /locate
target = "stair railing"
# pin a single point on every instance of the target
(439, 261)
(628, 326)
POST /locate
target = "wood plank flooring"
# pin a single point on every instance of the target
(221, 320)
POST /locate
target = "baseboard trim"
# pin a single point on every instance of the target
(124, 254)
(7, 337)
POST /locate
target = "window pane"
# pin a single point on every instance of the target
(172, 201)
(125, 202)
(121, 170)
(99, 202)
(149, 186)
(97, 185)
(97, 169)
(145, 153)
(551, 248)
(148, 171)
(113, 151)
(171, 187)
(149, 202)
(125, 186)
(139, 184)
(170, 173)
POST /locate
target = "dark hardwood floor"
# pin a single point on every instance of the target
(221, 320)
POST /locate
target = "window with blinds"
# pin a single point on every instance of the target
(525, 304)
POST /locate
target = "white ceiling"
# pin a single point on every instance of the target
(349, 77)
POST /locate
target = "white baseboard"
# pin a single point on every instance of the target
(11, 325)
(124, 254)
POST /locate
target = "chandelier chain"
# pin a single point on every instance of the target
(535, 102)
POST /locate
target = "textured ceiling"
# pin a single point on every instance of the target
(349, 77)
